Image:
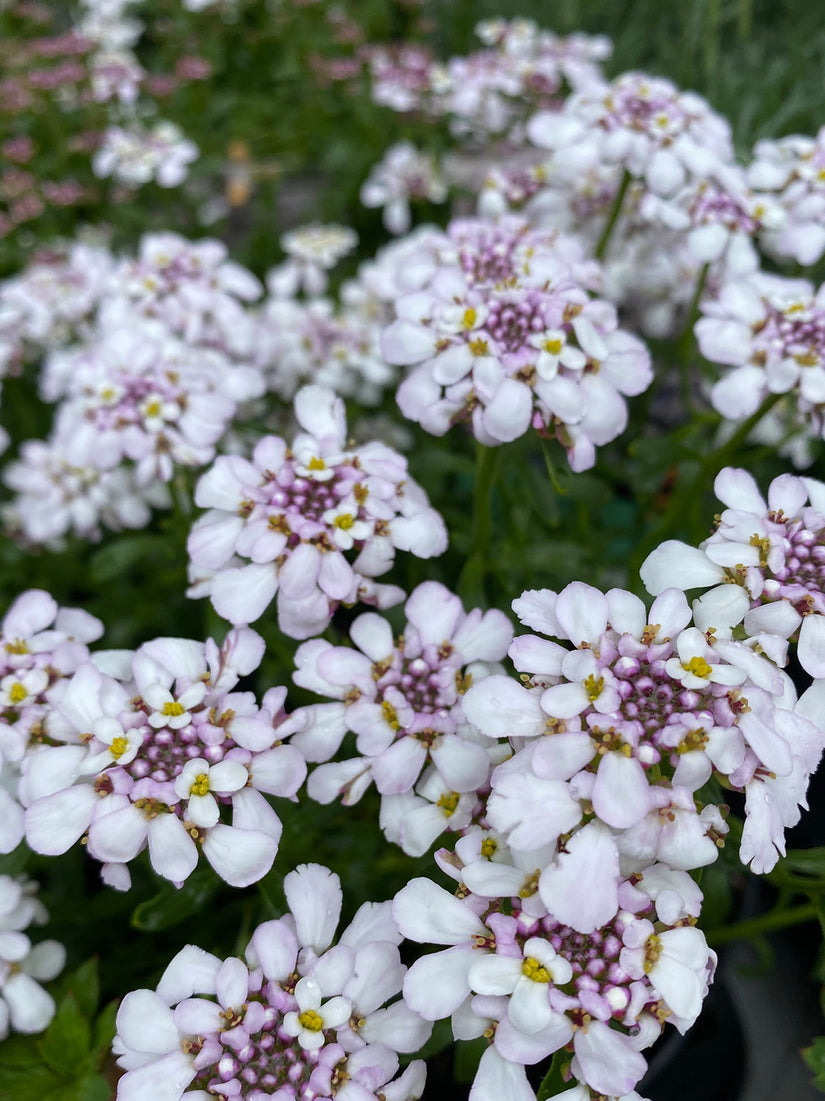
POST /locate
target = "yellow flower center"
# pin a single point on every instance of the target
(153, 408)
(390, 714)
(172, 707)
(698, 666)
(119, 746)
(488, 847)
(311, 1020)
(344, 522)
(479, 347)
(17, 647)
(552, 346)
(18, 693)
(532, 969)
(653, 949)
(200, 785)
(692, 741)
(469, 318)
(593, 687)
(448, 803)
(316, 464)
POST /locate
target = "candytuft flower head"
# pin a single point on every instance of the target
(298, 1018)
(298, 512)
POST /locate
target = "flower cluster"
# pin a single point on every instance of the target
(296, 511)
(771, 331)
(299, 1018)
(154, 749)
(311, 252)
(24, 1005)
(793, 169)
(403, 699)
(139, 155)
(503, 332)
(41, 645)
(532, 984)
(403, 174)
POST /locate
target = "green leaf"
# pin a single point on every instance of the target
(104, 1031)
(814, 1057)
(172, 905)
(467, 1057)
(64, 1046)
(553, 1083)
(807, 862)
(84, 986)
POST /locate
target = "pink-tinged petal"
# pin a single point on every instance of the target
(529, 1049)
(274, 947)
(426, 913)
(192, 971)
(397, 768)
(203, 810)
(452, 364)
(811, 649)
(434, 611)
(484, 637)
(164, 1079)
(56, 822)
(675, 561)
(779, 618)
(436, 985)
(321, 412)
(336, 577)
(581, 889)
(279, 771)
(198, 1017)
(508, 415)
(610, 1063)
(118, 836)
(500, 707)
(737, 489)
(397, 1027)
(494, 974)
(32, 612)
(172, 852)
(497, 1078)
(304, 618)
(404, 343)
(46, 960)
(51, 770)
(529, 1007)
(626, 612)
(240, 857)
(242, 595)
(146, 1023)
(532, 811)
(30, 1007)
(211, 542)
(770, 747)
(722, 607)
(232, 983)
(621, 794)
(582, 612)
(372, 634)
(463, 765)
(560, 757)
(227, 776)
(531, 654)
(299, 574)
(315, 897)
(563, 701)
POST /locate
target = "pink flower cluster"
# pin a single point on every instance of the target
(296, 512)
(403, 699)
(771, 331)
(515, 973)
(502, 332)
(300, 1019)
(155, 749)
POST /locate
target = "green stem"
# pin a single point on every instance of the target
(618, 202)
(486, 458)
(686, 339)
(767, 923)
(471, 580)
